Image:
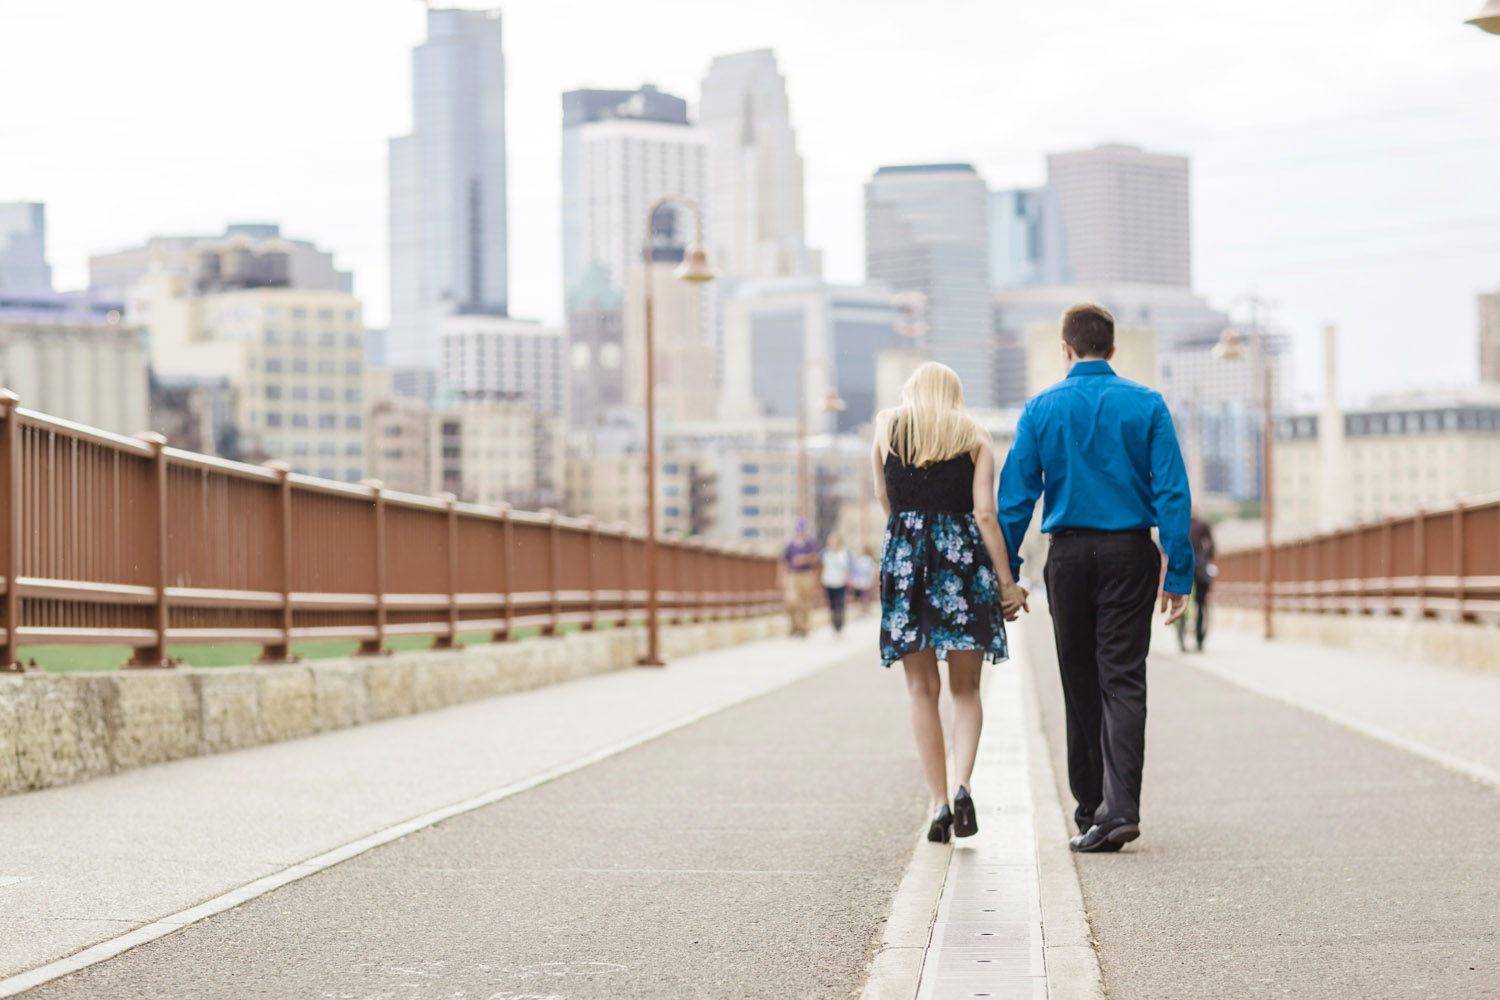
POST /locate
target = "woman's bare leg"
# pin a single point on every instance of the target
(924, 684)
(968, 713)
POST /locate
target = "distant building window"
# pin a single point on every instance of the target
(750, 490)
(326, 315)
(353, 368)
(352, 475)
(750, 533)
(327, 472)
(327, 448)
(273, 419)
(353, 396)
(273, 392)
(354, 340)
(325, 393)
(354, 448)
(749, 468)
(669, 469)
(272, 312)
(353, 423)
(299, 366)
(273, 336)
(450, 428)
(671, 490)
(299, 314)
(750, 511)
(327, 421)
(299, 393)
(299, 338)
(325, 367)
(299, 420)
(350, 315)
(272, 364)
(671, 512)
(328, 340)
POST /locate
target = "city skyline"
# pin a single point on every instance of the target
(1348, 187)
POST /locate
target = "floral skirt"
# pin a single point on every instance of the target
(938, 589)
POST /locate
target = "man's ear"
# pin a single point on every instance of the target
(1111, 355)
(1068, 351)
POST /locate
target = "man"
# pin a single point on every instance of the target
(1201, 536)
(1102, 451)
(800, 564)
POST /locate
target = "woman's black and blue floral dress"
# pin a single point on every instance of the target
(938, 588)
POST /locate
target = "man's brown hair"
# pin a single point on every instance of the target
(1089, 330)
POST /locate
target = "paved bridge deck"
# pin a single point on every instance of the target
(741, 824)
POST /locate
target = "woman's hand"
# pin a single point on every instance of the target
(1013, 600)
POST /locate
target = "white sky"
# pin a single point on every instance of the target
(1346, 153)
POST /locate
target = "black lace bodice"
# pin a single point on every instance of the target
(943, 486)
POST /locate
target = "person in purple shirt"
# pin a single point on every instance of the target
(1102, 451)
(800, 580)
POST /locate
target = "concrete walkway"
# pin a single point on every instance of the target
(86, 864)
(1284, 854)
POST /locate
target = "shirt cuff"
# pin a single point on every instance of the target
(1178, 582)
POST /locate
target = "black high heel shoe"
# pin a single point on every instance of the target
(965, 822)
(942, 825)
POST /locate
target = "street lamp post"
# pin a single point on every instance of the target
(1231, 347)
(695, 269)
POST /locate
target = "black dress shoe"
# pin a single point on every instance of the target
(1105, 838)
(965, 822)
(942, 825)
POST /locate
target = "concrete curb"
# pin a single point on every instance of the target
(896, 970)
(1068, 951)
(58, 729)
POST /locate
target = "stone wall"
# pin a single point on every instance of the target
(1423, 640)
(56, 729)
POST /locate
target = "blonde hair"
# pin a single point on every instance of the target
(931, 424)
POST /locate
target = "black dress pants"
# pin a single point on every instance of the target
(1101, 587)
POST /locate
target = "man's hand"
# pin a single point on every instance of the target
(1175, 606)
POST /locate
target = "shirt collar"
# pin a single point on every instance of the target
(1090, 368)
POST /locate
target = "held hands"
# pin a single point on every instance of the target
(1013, 600)
(1174, 605)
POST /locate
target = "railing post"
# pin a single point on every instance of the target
(156, 655)
(280, 652)
(1387, 555)
(376, 645)
(507, 569)
(554, 554)
(1458, 557)
(593, 530)
(626, 538)
(10, 543)
(1419, 534)
(450, 549)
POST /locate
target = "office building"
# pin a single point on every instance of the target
(76, 357)
(927, 231)
(247, 255)
(23, 248)
(1028, 242)
(755, 194)
(803, 335)
(1489, 338)
(448, 247)
(1126, 215)
(596, 349)
(498, 358)
(686, 386)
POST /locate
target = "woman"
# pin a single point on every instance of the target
(837, 565)
(946, 589)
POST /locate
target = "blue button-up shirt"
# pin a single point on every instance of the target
(1102, 451)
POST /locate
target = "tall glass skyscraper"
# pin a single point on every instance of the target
(448, 211)
(23, 247)
(1028, 243)
(927, 231)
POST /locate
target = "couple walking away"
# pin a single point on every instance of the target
(1102, 453)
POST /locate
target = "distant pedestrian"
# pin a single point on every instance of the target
(946, 589)
(1103, 451)
(862, 580)
(800, 580)
(1201, 534)
(838, 566)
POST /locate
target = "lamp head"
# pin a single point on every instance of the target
(1231, 346)
(1487, 19)
(694, 266)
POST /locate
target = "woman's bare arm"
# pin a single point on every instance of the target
(987, 517)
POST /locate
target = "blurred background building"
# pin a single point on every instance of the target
(448, 239)
(23, 248)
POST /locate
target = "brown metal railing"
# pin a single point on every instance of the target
(1442, 563)
(110, 539)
